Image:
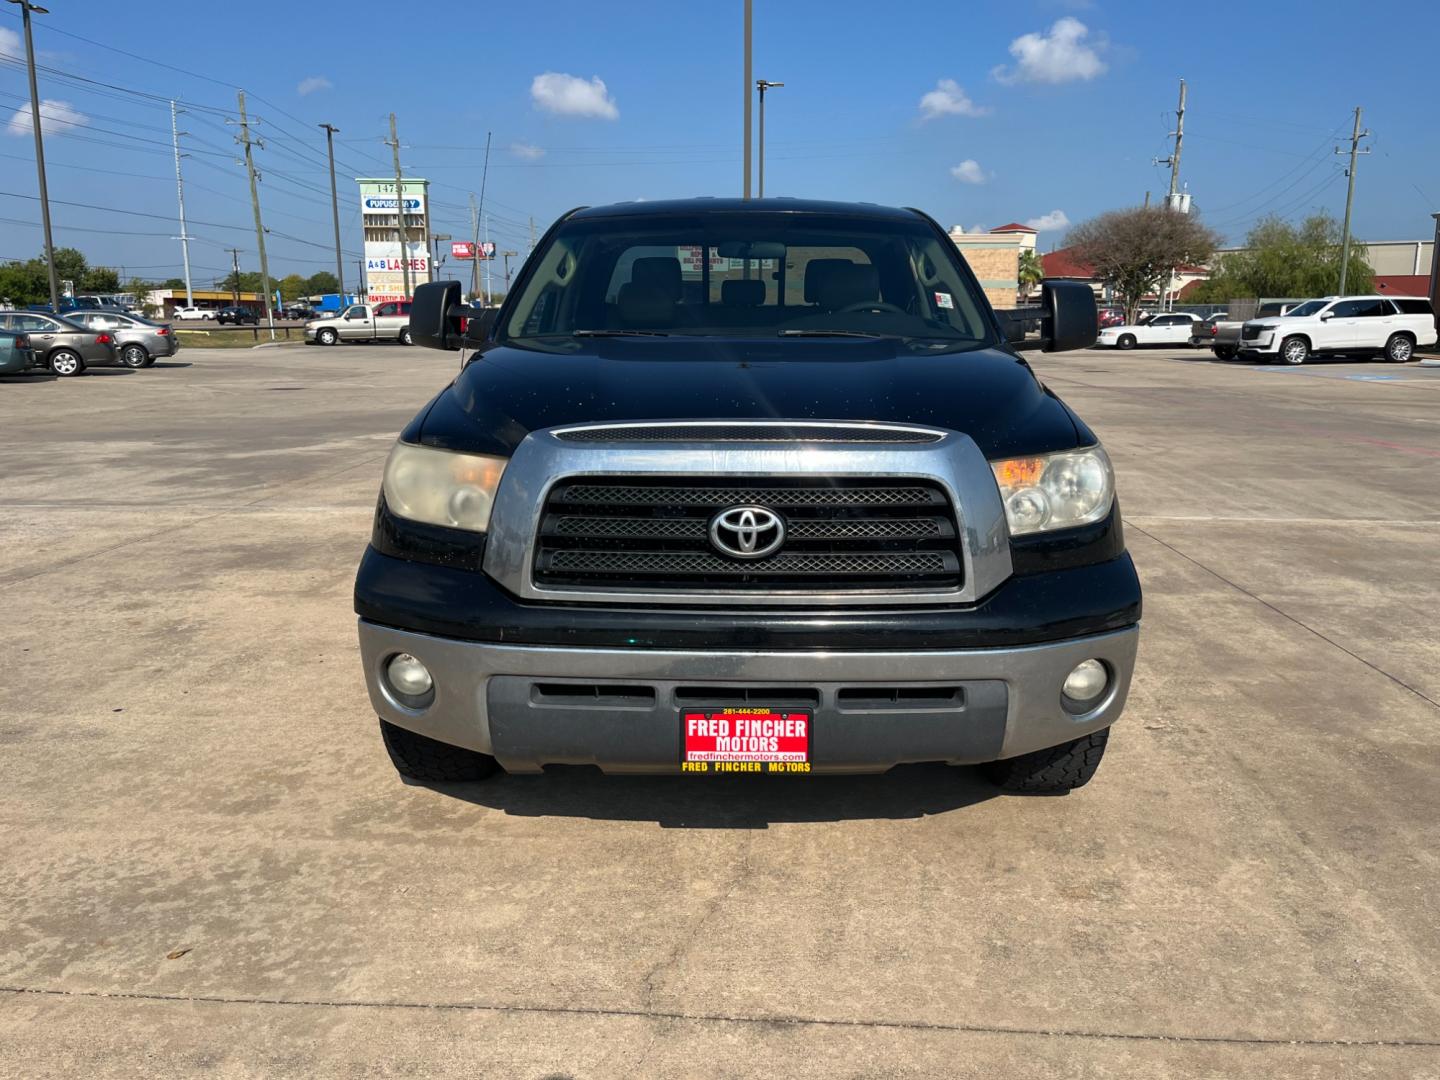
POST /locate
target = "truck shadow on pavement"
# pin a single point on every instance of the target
(728, 802)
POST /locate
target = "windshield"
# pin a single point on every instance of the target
(762, 275)
(1310, 307)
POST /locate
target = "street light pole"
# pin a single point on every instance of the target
(748, 13)
(25, 9)
(762, 85)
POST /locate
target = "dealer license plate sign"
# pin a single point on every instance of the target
(745, 740)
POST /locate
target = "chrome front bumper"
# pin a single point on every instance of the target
(489, 698)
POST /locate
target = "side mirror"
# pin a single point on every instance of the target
(1066, 315)
(435, 314)
(479, 325)
(1326, 316)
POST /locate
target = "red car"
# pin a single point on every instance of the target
(1110, 316)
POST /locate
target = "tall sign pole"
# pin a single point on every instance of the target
(175, 134)
(402, 228)
(330, 131)
(25, 9)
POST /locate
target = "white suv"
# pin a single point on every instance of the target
(1388, 326)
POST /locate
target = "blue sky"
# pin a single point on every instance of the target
(1033, 110)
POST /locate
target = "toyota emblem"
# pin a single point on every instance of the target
(747, 532)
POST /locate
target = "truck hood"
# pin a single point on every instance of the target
(989, 394)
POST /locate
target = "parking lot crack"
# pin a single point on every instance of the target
(770, 1020)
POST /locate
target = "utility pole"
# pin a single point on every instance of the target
(489, 294)
(175, 134)
(402, 229)
(475, 213)
(532, 234)
(25, 9)
(507, 256)
(474, 248)
(762, 85)
(245, 140)
(330, 132)
(748, 83)
(235, 259)
(1174, 159)
(436, 239)
(1355, 152)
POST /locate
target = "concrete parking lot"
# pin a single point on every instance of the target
(210, 864)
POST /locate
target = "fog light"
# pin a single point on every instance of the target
(1086, 682)
(409, 677)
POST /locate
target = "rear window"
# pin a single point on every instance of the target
(1410, 306)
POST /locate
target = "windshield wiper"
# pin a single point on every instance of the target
(620, 333)
(834, 333)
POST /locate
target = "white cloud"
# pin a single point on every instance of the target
(312, 84)
(527, 151)
(1055, 219)
(55, 117)
(1060, 56)
(10, 43)
(570, 95)
(949, 99)
(969, 172)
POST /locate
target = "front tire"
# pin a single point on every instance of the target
(1294, 350)
(423, 758)
(1054, 770)
(1399, 349)
(67, 363)
(327, 336)
(1225, 352)
(134, 357)
(1125, 341)
(405, 336)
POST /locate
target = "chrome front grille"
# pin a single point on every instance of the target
(841, 534)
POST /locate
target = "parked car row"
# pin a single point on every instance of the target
(1292, 331)
(242, 315)
(70, 344)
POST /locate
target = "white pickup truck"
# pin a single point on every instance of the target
(1389, 326)
(389, 321)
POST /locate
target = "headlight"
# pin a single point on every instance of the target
(439, 487)
(1055, 491)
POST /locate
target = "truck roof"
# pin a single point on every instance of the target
(708, 205)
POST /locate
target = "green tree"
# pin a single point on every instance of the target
(70, 265)
(1031, 272)
(1135, 250)
(249, 281)
(1281, 259)
(99, 279)
(292, 287)
(322, 282)
(24, 283)
(173, 283)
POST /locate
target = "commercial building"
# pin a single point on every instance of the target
(384, 247)
(164, 301)
(994, 256)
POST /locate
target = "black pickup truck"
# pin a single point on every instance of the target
(748, 486)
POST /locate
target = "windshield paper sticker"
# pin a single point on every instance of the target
(944, 300)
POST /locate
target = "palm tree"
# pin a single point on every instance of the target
(1031, 272)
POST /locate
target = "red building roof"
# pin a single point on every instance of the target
(1064, 264)
(1014, 226)
(1403, 284)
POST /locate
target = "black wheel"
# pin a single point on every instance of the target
(405, 336)
(1294, 350)
(327, 336)
(422, 758)
(1399, 349)
(1053, 770)
(1125, 341)
(134, 356)
(67, 362)
(1225, 352)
